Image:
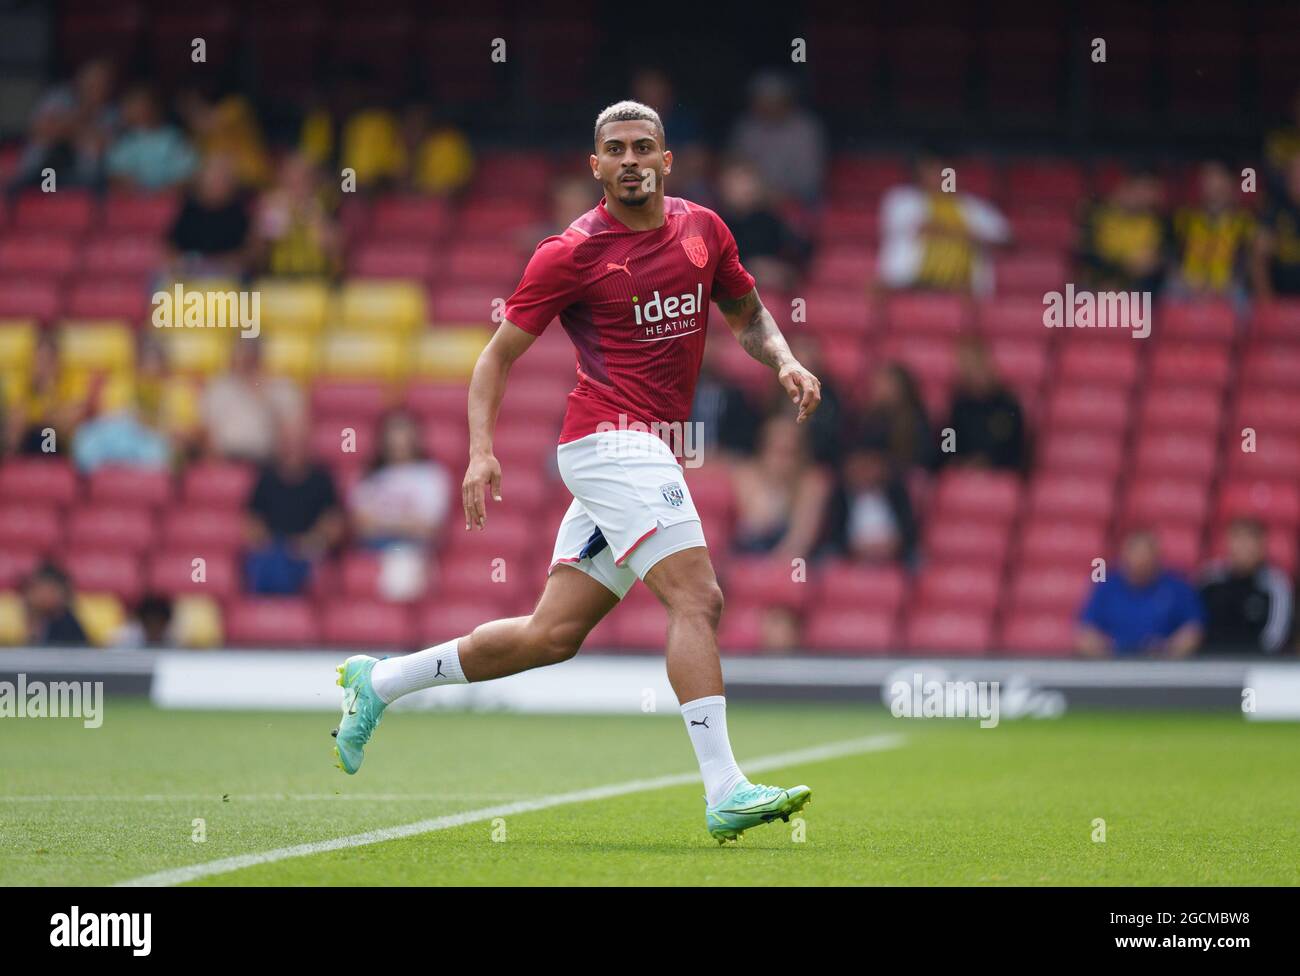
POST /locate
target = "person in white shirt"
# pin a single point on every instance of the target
(935, 237)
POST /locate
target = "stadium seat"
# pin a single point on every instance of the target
(1051, 540)
(961, 538)
(125, 297)
(358, 400)
(24, 296)
(218, 483)
(982, 494)
(36, 479)
(1203, 319)
(443, 354)
(1088, 408)
(1038, 634)
(272, 622)
(365, 354)
(368, 623)
(196, 621)
(1268, 410)
(130, 254)
(1079, 451)
(101, 616)
(370, 306)
(126, 527)
(1076, 496)
(962, 586)
(178, 571)
(1015, 316)
(16, 564)
(396, 259)
(1273, 365)
(32, 525)
(1110, 359)
(1274, 502)
(105, 571)
(853, 632)
(928, 313)
(37, 252)
(1173, 452)
(1181, 408)
(69, 211)
(118, 484)
(208, 526)
(935, 629)
(759, 581)
(292, 305)
(1200, 364)
(139, 213)
(102, 347)
(1167, 499)
(1275, 455)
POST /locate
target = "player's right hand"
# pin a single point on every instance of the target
(484, 472)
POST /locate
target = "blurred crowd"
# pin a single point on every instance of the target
(843, 485)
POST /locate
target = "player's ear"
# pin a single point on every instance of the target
(668, 161)
(595, 172)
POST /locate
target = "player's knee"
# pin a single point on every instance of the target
(700, 602)
(557, 641)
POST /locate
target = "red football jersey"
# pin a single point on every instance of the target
(635, 303)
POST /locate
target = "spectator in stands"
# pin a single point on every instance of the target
(895, 420)
(937, 240)
(165, 400)
(1212, 240)
(210, 235)
(118, 434)
(1249, 604)
(781, 494)
(985, 417)
(48, 402)
(151, 154)
(652, 86)
(294, 519)
(1276, 269)
(295, 231)
(1124, 241)
(227, 126)
(47, 596)
(149, 626)
(89, 96)
(57, 148)
(723, 410)
(371, 144)
(438, 155)
(871, 515)
(1141, 608)
(774, 252)
(1283, 144)
(403, 499)
(243, 408)
(786, 143)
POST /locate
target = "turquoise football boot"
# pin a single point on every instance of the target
(749, 805)
(362, 710)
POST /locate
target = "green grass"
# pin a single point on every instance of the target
(1187, 799)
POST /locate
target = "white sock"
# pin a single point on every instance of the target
(394, 677)
(706, 724)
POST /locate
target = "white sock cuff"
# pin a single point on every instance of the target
(707, 702)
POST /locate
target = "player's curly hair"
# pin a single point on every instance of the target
(629, 111)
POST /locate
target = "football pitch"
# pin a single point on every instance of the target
(243, 798)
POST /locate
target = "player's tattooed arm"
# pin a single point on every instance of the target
(758, 334)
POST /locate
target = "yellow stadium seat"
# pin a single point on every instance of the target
(17, 344)
(101, 616)
(291, 354)
(196, 621)
(372, 305)
(366, 355)
(449, 353)
(13, 619)
(290, 304)
(96, 346)
(200, 351)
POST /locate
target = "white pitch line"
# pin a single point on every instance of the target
(192, 872)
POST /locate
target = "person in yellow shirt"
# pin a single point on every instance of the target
(1212, 239)
(1125, 237)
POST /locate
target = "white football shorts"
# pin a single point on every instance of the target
(631, 507)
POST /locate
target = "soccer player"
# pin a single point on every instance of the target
(631, 282)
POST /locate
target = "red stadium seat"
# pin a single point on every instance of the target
(1277, 319)
(203, 528)
(1267, 410)
(16, 565)
(1110, 358)
(35, 479)
(741, 631)
(965, 586)
(126, 527)
(1030, 273)
(1193, 363)
(935, 629)
(1083, 451)
(130, 254)
(853, 632)
(176, 572)
(1095, 409)
(758, 581)
(1201, 319)
(29, 525)
(1047, 539)
(359, 401)
(844, 585)
(272, 622)
(1273, 365)
(369, 623)
(405, 259)
(140, 213)
(1046, 181)
(442, 619)
(1050, 587)
(1076, 496)
(37, 252)
(1168, 452)
(105, 571)
(130, 486)
(117, 297)
(1167, 499)
(69, 211)
(1182, 408)
(1016, 316)
(1273, 502)
(218, 483)
(24, 296)
(963, 539)
(1275, 455)
(930, 313)
(409, 217)
(1038, 634)
(991, 495)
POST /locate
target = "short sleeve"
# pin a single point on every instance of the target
(731, 280)
(549, 285)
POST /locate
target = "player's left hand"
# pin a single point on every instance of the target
(805, 389)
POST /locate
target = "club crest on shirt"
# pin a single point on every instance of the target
(696, 250)
(673, 494)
